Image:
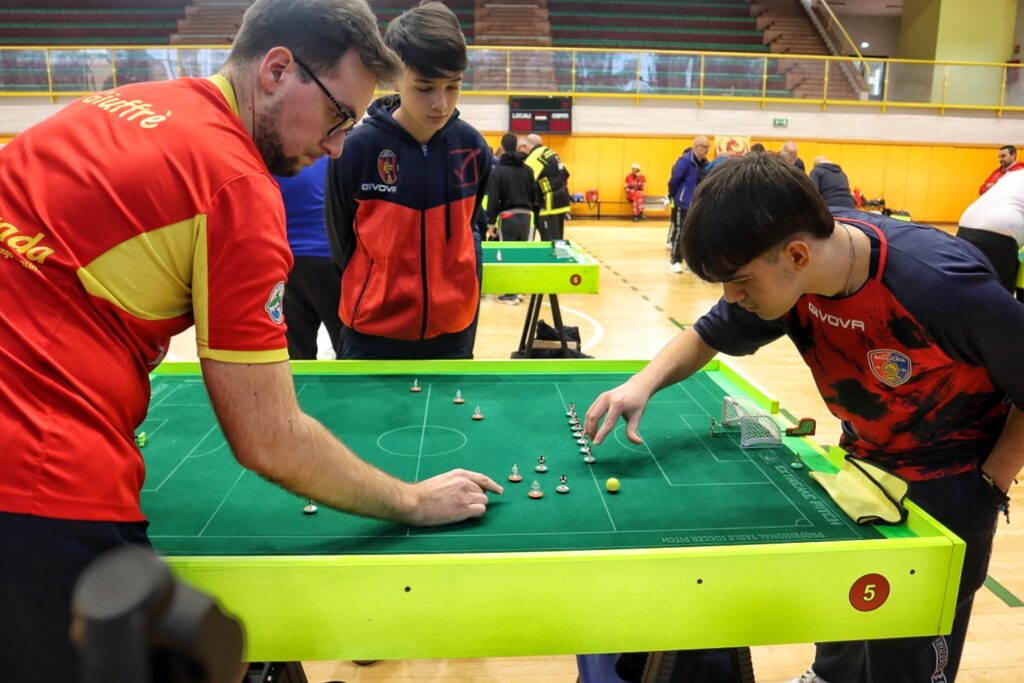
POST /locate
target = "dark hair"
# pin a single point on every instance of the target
(509, 142)
(429, 40)
(758, 148)
(319, 32)
(748, 207)
(1010, 148)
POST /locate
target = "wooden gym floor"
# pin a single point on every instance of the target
(640, 307)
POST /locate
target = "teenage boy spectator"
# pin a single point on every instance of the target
(404, 208)
(553, 179)
(1007, 163)
(636, 183)
(311, 295)
(832, 183)
(994, 223)
(920, 376)
(130, 249)
(688, 170)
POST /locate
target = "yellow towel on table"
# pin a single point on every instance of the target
(865, 492)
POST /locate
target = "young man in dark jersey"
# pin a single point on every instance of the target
(912, 342)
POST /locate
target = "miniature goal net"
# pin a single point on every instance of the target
(757, 428)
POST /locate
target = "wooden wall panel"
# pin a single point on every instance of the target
(935, 183)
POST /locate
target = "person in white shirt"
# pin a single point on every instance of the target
(994, 223)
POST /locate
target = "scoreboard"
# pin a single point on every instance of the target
(540, 115)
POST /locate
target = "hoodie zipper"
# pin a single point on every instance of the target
(423, 258)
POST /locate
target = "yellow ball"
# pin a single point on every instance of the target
(612, 485)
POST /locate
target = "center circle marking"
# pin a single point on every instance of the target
(419, 441)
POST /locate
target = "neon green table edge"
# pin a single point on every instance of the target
(566, 602)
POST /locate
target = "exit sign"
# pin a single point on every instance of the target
(780, 123)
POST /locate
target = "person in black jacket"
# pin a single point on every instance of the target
(404, 206)
(512, 195)
(832, 183)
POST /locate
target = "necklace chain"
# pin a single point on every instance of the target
(853, 258)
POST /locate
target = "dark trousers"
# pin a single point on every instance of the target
(41, 559)
(964, 505)
(551, 226)
(675, 233)
(515, 227)
(311, 297)
(1000, 250)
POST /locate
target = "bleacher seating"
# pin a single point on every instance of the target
(386, 10)
(89, 22)
(725, 25)
(750, 27)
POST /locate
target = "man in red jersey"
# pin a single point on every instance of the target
(126, 218)
(1007, 163)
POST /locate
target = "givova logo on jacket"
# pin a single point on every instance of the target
(387, 167)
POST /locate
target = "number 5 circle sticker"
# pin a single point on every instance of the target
(869, 592)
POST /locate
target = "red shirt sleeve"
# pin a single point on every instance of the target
(238, 283)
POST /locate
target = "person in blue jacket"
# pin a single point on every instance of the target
(404, 207)
(312, 292)
(686, 173)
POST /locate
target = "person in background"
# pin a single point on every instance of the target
(832, 184)
(688, 170)
(790, 155)
(404, 209)
(1007, 163)
(553, 180)
(636, 183)
(313, 290)
(994, 223)
(131, 249)
(512, 196)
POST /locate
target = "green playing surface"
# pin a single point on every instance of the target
(682, 487)
(531, 252)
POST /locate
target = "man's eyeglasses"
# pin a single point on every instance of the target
(348, 121)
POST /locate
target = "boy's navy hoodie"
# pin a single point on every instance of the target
(404, 222)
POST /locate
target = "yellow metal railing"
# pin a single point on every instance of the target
(66, 71)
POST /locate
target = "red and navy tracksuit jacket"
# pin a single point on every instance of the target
(918, 363)
(404, 222)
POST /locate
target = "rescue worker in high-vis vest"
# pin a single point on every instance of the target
(553, 178)
(636, 183)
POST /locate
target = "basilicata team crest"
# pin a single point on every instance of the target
(275, 303)
(891, 367)
(387, 167)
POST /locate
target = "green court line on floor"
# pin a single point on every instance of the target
(1002, 593)
(789, 416)
(633, 287)
(659, 309)
(645, 297)
(677, 323)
